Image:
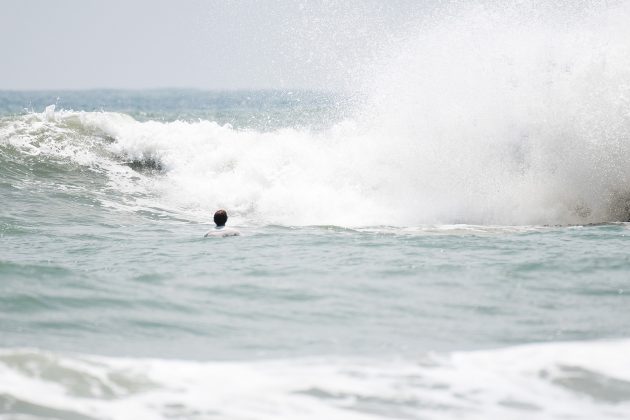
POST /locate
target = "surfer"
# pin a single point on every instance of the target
(220, 219)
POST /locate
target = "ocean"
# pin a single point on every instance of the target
(447, 241)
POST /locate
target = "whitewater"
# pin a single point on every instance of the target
(445, 238)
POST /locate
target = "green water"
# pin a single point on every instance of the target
(101, 255)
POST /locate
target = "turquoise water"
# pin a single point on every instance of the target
(351, 292)
(156, 288)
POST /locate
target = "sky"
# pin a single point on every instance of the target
(229, 44)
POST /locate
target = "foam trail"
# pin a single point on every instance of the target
(577, 380)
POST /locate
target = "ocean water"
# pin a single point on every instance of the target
(449, 241)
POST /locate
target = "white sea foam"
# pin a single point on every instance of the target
(565, 380)
(491, 116)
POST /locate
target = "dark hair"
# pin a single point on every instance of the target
(220, 217)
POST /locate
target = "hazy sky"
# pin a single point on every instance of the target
(193, 43)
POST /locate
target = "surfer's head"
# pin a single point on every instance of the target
(220, 217)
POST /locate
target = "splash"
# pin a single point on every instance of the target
(513, 115)
(481, 116)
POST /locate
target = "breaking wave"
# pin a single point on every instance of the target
(484, 116)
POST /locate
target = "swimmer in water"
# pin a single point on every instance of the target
(220, 219)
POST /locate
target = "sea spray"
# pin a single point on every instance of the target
(508, 115)
(482, 115)
(115, 306)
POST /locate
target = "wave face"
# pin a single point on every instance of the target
(480, 116)
(570, 380)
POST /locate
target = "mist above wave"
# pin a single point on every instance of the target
(511, 114)
(481, 115)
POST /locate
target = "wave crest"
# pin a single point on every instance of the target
(488, 117)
